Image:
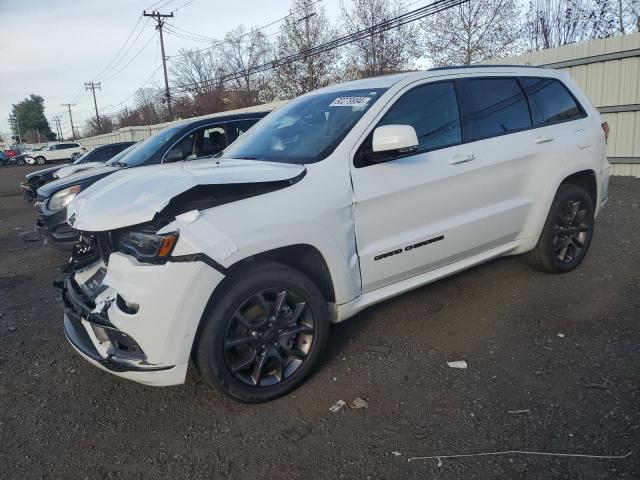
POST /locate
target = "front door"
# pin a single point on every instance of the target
(419, 212)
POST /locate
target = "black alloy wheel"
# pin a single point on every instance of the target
(269, 337)
(263, 332)
(567, 232)
(571, 231)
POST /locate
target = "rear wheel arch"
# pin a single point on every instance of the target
(585, 179)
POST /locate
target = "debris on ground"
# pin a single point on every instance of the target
(458, 364)
(11, 329)
(359, 402)
(604, 383)
(337, 406)
(515, 412)
(396, 453)
(378, 348)
(561, 335)
(520, 452)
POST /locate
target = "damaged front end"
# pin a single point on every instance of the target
(87, 299)
(134, 294)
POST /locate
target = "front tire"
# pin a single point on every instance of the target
(40, 161)
(567, 232)
(21, 162)
(264, 333)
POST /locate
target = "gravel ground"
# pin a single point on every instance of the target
(553, 366)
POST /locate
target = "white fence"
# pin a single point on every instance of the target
(136, 134)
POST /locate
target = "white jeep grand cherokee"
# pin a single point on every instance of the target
(343, 198)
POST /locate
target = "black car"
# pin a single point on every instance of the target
(186, 140)
(102, 154)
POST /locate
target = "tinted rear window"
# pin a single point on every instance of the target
(550, 101)
(497, 106)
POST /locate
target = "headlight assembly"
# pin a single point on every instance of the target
(62, 198)
(146, 246)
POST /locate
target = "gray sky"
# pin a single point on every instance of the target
(52, 47)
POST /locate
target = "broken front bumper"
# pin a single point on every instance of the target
(139, 321)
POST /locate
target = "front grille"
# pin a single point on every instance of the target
(100, 244)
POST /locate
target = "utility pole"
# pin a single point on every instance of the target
(305, 19)
(15, 123)
(56, 120)
(92, 86)
(158, 17)
(69, 105)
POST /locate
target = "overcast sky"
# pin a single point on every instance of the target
(52, 47)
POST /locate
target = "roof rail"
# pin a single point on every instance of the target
(458, 67)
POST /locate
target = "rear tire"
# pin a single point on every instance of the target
(21, 162)
(567, 232)
(263, 333)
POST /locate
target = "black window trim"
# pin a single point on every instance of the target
(583, 112)
(464, 102)
(452, 81)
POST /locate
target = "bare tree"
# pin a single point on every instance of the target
(242, 50)
(386, 52)
(473, 32)
(149, 104)
(95, 127)
(552, 23)
(199, 74)
(306, 26)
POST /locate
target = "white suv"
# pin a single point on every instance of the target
(343, 198)
(56, 151)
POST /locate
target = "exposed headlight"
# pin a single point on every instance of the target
(147, 246)
(62, 198)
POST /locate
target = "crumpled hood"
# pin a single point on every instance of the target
(71, 169)
(131, 197)
(44, 171)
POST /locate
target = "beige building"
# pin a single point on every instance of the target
(608, 71)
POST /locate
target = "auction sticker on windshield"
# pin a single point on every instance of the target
(350, 102)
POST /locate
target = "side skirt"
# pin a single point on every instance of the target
(349, 309)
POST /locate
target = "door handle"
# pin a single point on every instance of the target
(543, 139)
(462, 158)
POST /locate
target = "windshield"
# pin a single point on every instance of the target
(145, 149)
(306, 130)
(81, 159)
(116, 159)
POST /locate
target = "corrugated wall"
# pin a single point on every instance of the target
(608, 71)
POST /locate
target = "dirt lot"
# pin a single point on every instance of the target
(561, 351)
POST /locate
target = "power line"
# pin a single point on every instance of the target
(105, 69)
(183, 5)
(132, 95)
(376, 29)
(107, 75)
(130, 61)
(214, 40)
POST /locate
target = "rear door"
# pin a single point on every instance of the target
(422, 211)
(498, 122)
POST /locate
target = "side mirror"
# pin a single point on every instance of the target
(390, 141)
(173, 155)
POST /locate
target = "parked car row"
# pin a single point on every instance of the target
(41, 155)
(240, 258)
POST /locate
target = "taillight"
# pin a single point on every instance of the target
(605, 129)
